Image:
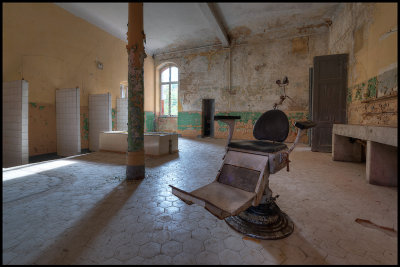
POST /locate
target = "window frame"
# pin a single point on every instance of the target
(169, 83)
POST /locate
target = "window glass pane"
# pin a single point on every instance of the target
(174, 74)
(165, 76)
(174, 99)
(165, 99)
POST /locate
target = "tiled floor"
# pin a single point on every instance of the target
(80, 210)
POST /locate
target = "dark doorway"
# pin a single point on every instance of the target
(310, 87)
(207, 120)
(328, 98)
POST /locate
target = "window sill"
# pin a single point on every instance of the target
(167, 116)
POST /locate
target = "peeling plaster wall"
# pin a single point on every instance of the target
(51, 48)
(255, 66)
(167, 124)
(368, 33)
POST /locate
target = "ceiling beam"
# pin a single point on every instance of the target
(215, 22)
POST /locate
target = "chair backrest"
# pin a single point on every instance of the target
(273, 125)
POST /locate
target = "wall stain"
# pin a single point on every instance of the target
(366, 108)
(85, 127)
(42, 128)
(113, 119)
(304, 29)
(189, 121)
(209, 55)
(167, 124)
(239, 33)
(149, 121)
(258, 67)
(300, 45)
(358, 95)
(372, 87)
(369, 89)
(349, 95)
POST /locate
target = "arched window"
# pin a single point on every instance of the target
(169, 91)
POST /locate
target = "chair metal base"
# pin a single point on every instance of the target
(266, 221)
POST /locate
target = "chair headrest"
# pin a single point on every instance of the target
(273, 125)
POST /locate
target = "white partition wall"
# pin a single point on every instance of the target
(122, 114)
(99, 118)
(68, 122)
(15, 123)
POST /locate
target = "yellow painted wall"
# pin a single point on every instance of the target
(382, 50)
(377, 52)
(51, 48)
(368, 33)
(149, 84)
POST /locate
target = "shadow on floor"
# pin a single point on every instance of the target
(299, 249)
(115, 158)
(45, 157)
(70, 244)
(51, 156)
(155, 161)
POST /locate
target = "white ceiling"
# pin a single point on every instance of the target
(174, 26)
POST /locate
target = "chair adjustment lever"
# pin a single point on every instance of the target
(286, 160)
(271, 199)
(275, 197)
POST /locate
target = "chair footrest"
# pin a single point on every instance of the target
(219, 199)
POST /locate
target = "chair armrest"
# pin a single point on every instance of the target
(304, 124)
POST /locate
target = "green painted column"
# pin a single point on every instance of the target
(135, 167)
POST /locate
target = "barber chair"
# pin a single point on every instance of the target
(240, 194)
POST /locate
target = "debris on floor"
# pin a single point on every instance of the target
(369, 224)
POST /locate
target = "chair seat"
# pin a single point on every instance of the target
(256, 145)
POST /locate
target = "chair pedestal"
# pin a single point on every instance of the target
(266, 221)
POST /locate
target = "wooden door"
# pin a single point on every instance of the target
(328, 98)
